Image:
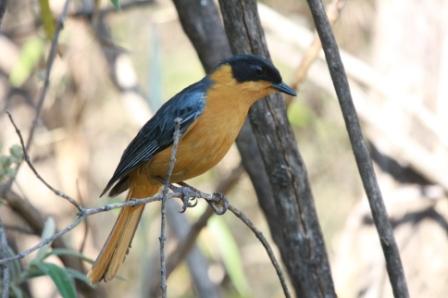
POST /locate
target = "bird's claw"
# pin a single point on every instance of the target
(189, 199)
(189, 196)
(219, 203)
(188, 202)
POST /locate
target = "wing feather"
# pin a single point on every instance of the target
(157, 133)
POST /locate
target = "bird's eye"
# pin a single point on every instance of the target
(258, 70)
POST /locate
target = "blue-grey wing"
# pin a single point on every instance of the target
(157, 134)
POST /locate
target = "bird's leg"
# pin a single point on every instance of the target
(217, 202)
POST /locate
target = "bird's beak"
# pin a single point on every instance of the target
(282, 87)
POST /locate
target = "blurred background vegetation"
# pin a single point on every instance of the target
(114, 68)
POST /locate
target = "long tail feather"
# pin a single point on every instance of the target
(119, 240)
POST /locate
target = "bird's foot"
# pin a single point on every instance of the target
(187, 195)
(188, 202)
(217, 201)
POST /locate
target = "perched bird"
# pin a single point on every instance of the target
(212, 112)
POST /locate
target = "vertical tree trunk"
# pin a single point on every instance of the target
(284, 194)
(294, 221)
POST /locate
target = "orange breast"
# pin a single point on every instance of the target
(211, 136)
(206, 143)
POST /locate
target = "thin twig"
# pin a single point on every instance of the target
(162, 237)
(82, 215)
(50, 61)
(43, 93)
(86, 222)
(312, 53)
(29, 163)
(212, 198)
(4, 267)
(186, 243)
(364, 163)
(266, 245)
(124, 6)
(5, 282)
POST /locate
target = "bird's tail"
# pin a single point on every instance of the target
(119, 240)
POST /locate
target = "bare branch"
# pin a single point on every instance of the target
(35, 220)
(4, 267)
(29, 163)
(364, 163)
(266, 245)
(162, 237)
(124, 6)
(86, 224)
(197, 262)
(5, 282)
(214, 198)
(43, 93)
(81, 215)
(312, 53)
(186, 244)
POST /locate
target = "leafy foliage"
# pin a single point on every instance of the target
(63, 278)
(8, 162)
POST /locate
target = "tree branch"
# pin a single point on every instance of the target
(4, 267)
(195, 259)
(266, 245)
(363, 161)
(162, 237)
(187, 242)
(28, 161)
(44, 90)
(124, 6)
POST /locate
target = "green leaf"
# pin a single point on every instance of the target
(18, 293)
(47, 18)
(79, 276)
(14, 266)
(5, 161)
(30, 55)
(48, 231)
(230, 254)
(16, 152)
(67, 252)
(116, 4)
(61, 278)
(10, 172)
(31, 271)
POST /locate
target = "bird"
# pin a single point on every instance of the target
(211, 113)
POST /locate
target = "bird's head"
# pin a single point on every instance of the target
(250, 76)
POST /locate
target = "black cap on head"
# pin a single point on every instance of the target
(252, 68)
(247, 68)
